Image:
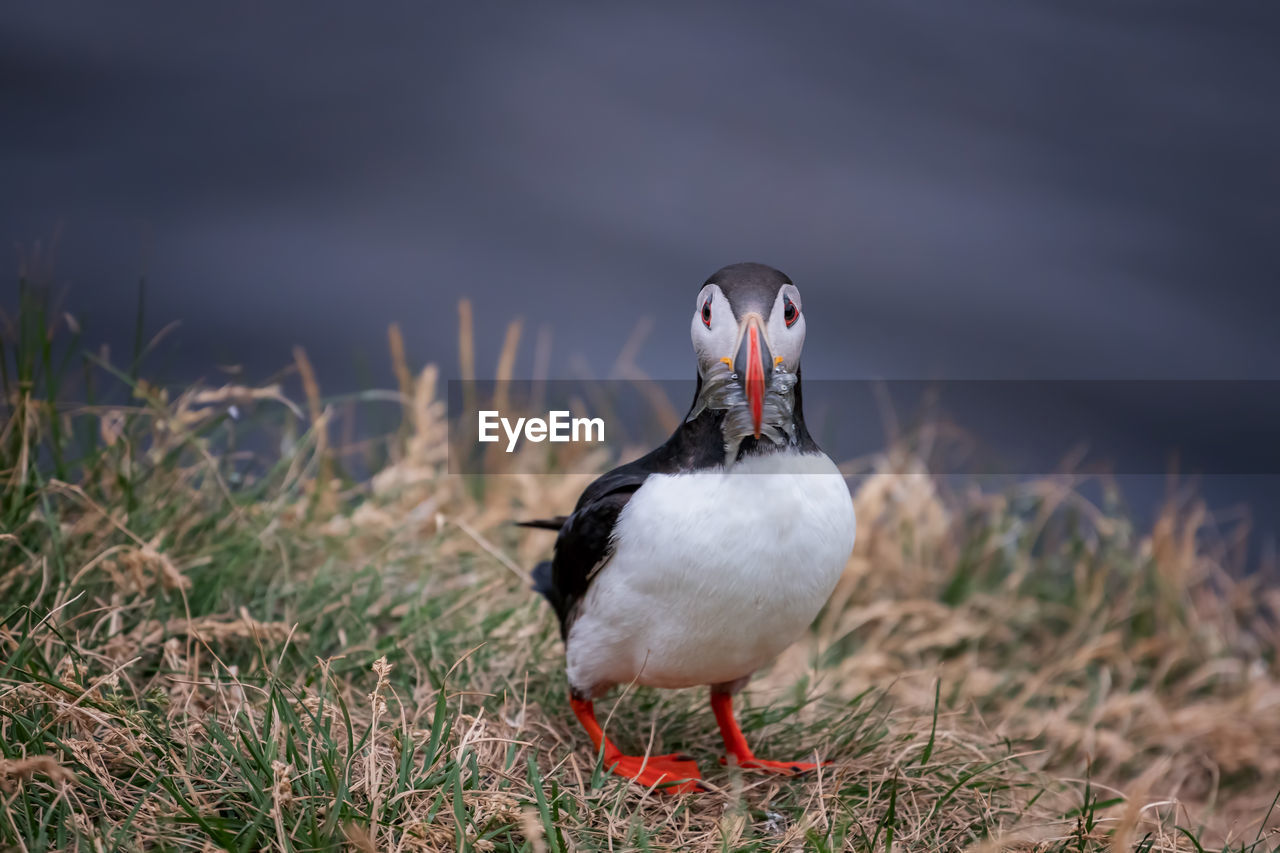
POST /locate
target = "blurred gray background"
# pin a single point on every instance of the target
(1025, 190)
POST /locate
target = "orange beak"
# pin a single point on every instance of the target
(754, 366)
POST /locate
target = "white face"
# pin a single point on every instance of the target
(717, 333)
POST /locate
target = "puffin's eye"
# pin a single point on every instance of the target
(706, 313)
(790, 312)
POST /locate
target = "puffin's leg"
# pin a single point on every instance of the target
(735, 745)
(676, 773)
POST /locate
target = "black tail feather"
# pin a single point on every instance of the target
(545, 523)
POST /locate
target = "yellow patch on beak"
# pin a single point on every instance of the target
(777, 359)
(727, 361)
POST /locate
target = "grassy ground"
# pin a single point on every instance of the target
(202, 649)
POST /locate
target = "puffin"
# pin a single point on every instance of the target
(701, 561)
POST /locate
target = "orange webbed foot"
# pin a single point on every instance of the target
(736, 745)
(671, 774)
(674, 773)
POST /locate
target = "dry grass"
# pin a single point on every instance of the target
(201, 651)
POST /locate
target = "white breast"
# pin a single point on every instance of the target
(714, 573)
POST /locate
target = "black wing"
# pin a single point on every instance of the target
(583, 547)
(585, 543)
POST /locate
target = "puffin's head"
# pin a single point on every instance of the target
(748, 319)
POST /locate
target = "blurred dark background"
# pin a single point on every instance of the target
(987, 190)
